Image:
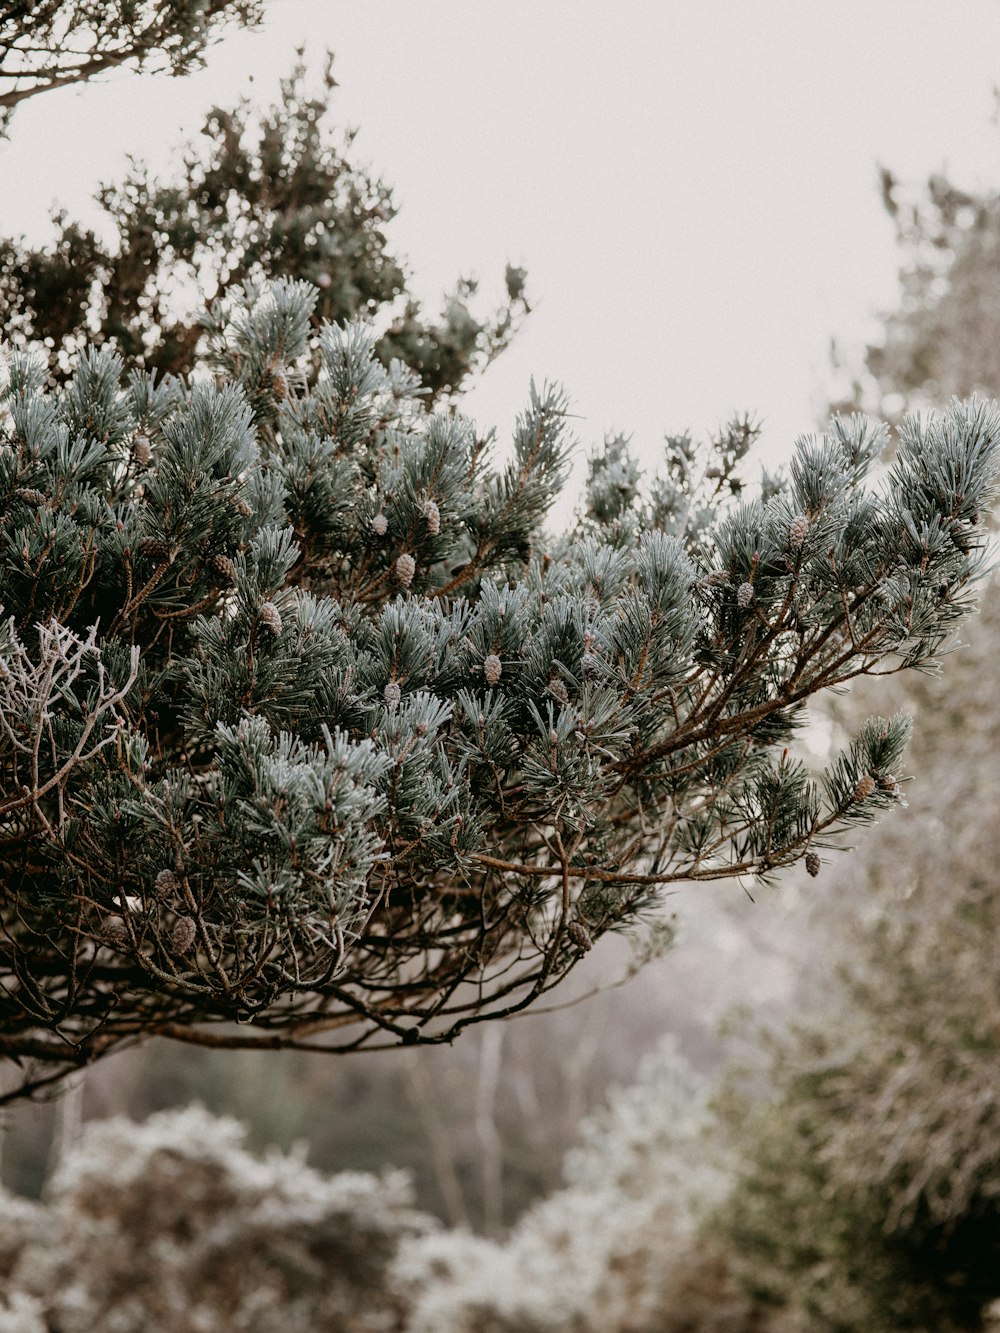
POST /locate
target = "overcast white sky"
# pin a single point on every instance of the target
(692, 186)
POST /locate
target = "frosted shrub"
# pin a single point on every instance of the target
(173, 1225)
(607, 1250)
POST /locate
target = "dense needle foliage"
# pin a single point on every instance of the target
(306, 727)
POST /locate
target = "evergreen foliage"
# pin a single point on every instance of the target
(305, 728)
(53, 44)
(264, 194)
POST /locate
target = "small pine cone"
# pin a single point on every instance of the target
(392, 694)
(279, 384)
(141, 450)
(579, 935)
(165, 885)
(223, 566)
(380, 525)
(406, 567)
(715, 579)
(589, 663)
(432, 517)
(744, 595)
(154, 547)
(886, 782)
(182, 935)
(29, 496)
(115, 936)
(243, 509)
(271, 617)
(812, 864)
(798, 531)
(864, 788)
(492, 669)
(559, 692)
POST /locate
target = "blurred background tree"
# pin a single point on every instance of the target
(267, 193)
(943, 337)
(54, 45)
(867, 1186)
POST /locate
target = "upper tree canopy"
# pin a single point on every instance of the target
(268, 193)
(49, 44)
(306, 727)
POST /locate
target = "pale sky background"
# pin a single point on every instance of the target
(691, 186)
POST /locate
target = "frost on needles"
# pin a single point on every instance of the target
(308, 736)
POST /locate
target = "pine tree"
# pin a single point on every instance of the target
(307, 727)
(54, 45)
(263, 194)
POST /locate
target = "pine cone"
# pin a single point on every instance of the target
(243, 509)
(380, 525)
(223, 566)
(886, 782)
(115, 936)
(864, 788)
(432, 517)
(716, 578)
(492, 669)
(406, 567)
(579, 935)
(744, 595)
(559, 691)
(279, 384)
(165, 885)
(392, 694)
(798, 531)
(29, 496)
(141, 450)
(182, 935)
(154, 547)
(812, 864)
(271, 617)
